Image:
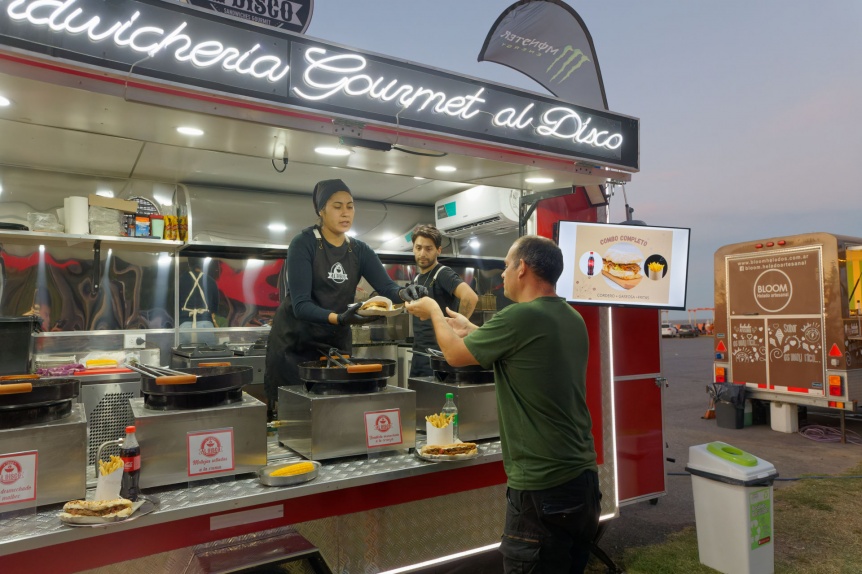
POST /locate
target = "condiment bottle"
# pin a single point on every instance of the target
(449, 408)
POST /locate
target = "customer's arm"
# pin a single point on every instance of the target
(453, 347)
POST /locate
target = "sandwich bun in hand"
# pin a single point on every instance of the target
(375, 304)
(622, 265)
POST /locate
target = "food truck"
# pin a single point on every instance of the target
(222, 127)
(787, 322)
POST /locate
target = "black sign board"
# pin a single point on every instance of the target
(292, 15)
(187, 45)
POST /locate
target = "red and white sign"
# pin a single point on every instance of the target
(383, 428)
(18, 477)
(210, 451)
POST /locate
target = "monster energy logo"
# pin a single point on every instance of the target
(569, 65)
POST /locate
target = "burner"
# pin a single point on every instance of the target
(257, 349)
(202, 350)
(192, 401)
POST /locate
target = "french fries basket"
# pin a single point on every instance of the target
(109, 473)
(439, 429)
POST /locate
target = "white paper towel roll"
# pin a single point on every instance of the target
(77, 215)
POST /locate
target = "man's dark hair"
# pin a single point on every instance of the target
(541, 255)
(428, 232)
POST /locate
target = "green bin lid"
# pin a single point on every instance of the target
(731, 453)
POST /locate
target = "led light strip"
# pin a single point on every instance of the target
(443, 559)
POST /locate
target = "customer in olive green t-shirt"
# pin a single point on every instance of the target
(538, 349)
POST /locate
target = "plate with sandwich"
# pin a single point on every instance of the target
(103, 512)
(621, 266)
(447, 452)
(379, 306)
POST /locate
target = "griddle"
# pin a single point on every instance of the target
(202, 351)
(35, 400)
(326, 378)
(215, 386)
(472, 374)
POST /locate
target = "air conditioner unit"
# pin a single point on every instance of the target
(478, 210)
(403, 242)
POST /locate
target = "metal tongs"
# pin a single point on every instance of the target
(334, 358)
(163, 375)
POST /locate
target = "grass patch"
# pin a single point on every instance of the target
(817, 527)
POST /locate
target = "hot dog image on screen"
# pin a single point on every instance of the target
(621, 266)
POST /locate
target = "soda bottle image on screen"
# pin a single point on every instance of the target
(130, 452)
(591, 265)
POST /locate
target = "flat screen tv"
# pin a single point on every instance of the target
(623, 265)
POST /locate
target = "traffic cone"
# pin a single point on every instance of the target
(710, 411)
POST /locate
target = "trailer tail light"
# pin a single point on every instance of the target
(835, 386)
(720, 376)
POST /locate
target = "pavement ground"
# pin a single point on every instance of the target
(687, 365)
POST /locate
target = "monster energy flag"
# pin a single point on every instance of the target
(548, 41)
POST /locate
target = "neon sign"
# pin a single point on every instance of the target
(59, 18)
(181, 44)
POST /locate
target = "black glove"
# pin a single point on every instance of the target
(349, 317)
(413, 292)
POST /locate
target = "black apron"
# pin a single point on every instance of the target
(335, 276)
(423, 331)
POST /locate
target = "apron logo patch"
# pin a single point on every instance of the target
(337, 273)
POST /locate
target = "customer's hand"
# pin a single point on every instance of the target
(459, 323)
(422, 308)
(412, 292)
(350, 316)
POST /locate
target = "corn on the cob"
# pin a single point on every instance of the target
(294, 469)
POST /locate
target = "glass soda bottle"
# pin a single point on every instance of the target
(449, 408)
(130, 452)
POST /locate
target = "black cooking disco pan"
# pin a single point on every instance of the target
(30, 401)
(359, 376)
(472, 374)
(209, 379)
(32, 391)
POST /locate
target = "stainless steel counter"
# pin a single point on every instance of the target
(43, 528)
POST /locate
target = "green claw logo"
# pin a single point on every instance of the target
(569, 65)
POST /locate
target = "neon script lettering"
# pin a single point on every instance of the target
(150, 40)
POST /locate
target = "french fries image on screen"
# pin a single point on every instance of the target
(654, 270)
(440, 420)
(106, 468)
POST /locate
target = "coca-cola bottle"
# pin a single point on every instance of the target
(130, 452)
(591, 265)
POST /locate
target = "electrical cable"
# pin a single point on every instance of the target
(781, 479)
(422, 153)
(821, 433)
(282, 170)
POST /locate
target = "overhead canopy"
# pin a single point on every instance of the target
(116, 98)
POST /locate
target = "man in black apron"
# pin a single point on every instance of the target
(324, 267)
(443, 285)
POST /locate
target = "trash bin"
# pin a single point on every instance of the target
(732, 508)
(729, 405)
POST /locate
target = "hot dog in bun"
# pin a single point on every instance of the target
(622, 265)
(118, 507)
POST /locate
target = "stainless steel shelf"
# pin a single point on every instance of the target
(107, 241)
(43, 528)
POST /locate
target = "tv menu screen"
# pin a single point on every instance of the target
(631, 265)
